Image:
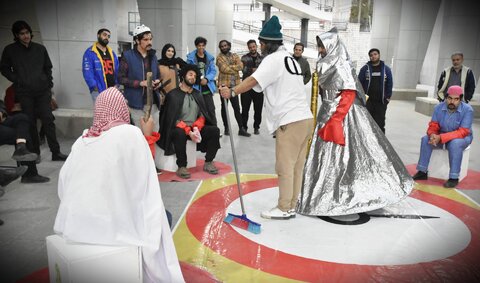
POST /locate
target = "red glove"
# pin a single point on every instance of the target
(151, 141)
(457, 134)
(185, 127)
(199, 123)
(333, 129)
(433, 128)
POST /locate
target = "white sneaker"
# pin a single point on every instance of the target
(276, 213)
(292, 213)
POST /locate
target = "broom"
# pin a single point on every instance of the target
(240, 221)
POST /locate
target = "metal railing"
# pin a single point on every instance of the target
(256, 30)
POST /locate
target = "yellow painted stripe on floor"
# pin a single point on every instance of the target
(190, 250)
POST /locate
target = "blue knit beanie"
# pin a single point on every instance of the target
(271, 30)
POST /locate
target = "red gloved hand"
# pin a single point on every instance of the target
(333, 129)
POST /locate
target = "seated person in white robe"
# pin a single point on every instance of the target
(109, 191)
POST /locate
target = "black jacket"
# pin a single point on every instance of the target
(172, 111)
(29, 68)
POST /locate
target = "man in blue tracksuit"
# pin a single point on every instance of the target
(206, 64)
(377, 82)
(100, 65)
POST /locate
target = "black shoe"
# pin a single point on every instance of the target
(11, 174)
(227, 132)
(59, 156)
(420, 176)
(22, 154)
(243, 132)
(256, 131)
(451, 183)
(34, 179)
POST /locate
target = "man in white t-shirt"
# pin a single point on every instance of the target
(288, 114)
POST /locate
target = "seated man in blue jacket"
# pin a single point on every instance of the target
(100, 65)
(451, 125)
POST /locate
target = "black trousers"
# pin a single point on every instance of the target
(247, 99)
(18, 127)
(236, 110)
(378, 110)
(208, 98)
(37, 105)
(13, 128)
(210, 141)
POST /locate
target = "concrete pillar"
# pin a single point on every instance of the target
(224, 19)
(201, 21)
(304, 32)
(68, 29)
(385, 28)
(460, 32)
(167, 20)
(267, 8)
(304, 27)
(417, 20)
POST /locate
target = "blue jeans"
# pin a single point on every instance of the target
(455, 149)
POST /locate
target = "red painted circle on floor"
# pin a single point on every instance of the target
(226, 241)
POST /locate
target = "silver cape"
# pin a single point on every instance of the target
(365, 174)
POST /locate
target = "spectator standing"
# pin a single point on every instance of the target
(134, 66)
(457, 74)
(229, 65)
(100, 65)
(377, 82)
(28, 66)
(298, 49)
(251, 61)
(206, 64)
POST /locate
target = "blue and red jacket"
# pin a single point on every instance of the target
(92, 68)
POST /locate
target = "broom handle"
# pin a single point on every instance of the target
(237, 175)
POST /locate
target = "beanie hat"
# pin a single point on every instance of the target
(271, 30)
(455, 91)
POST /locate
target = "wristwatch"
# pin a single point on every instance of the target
(233, 93)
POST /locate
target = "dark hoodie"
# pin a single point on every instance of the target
(29, 68)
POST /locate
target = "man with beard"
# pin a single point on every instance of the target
(28, 66)
(457, 74)
(186, 118)
(229, 64)
(288, 114)
(297, 54)
(251, 61)
(100, 65)
(206, 64)
(451, 125)
(134, 66)
(377, 83)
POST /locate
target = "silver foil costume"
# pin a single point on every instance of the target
(365, 174)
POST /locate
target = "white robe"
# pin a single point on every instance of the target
(110, 195)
